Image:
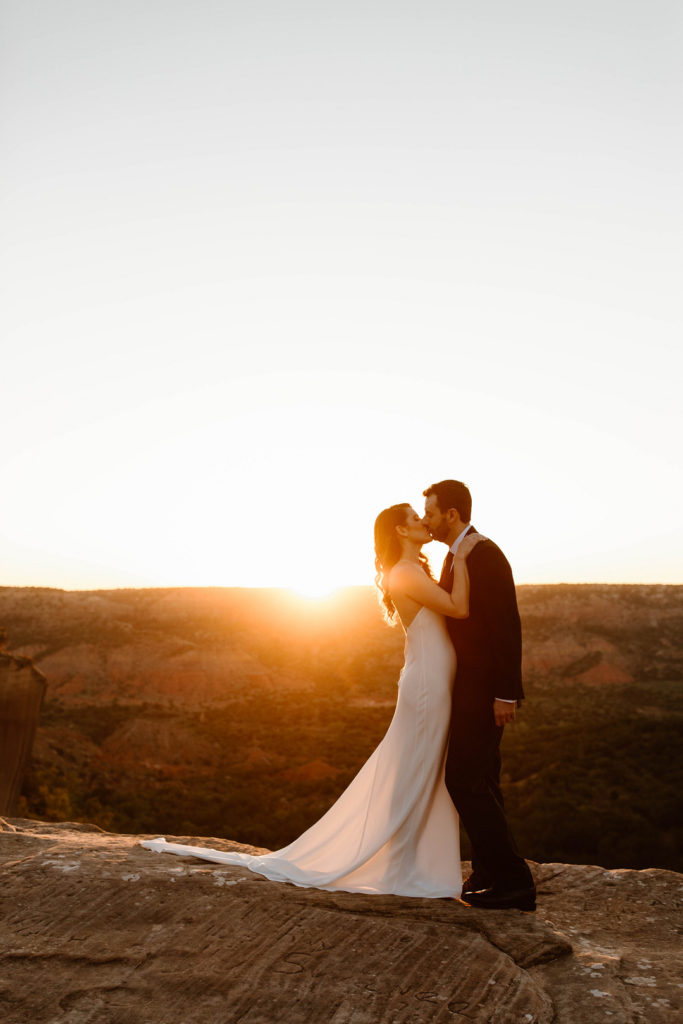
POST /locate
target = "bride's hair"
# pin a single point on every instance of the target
(388, 552)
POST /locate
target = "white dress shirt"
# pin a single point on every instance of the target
(453, 548)
(456, 543)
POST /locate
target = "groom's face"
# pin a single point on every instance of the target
(435, 520)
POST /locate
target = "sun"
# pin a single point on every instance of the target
(314, 589)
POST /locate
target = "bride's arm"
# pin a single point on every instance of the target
(413, 582)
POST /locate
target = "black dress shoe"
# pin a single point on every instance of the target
(496, 898)
(474, 883)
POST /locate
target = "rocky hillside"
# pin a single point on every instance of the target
(199, 647)
(243, 712)
(129, 937)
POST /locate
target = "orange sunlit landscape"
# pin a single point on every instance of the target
(157, 697)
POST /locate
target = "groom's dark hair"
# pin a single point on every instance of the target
(452, 494)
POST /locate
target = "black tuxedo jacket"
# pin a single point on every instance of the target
(488, 643)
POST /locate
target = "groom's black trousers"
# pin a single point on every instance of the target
(473, 781)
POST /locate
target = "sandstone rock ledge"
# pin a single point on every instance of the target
(95, 929)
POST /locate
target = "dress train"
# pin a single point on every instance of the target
(394, 829)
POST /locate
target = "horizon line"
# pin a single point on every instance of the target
(289, 588)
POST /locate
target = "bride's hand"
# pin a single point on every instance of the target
(465, 546)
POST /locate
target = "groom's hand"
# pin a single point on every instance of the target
(504, 711)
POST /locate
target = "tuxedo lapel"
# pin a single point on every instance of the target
(446, 578)
(446, 572)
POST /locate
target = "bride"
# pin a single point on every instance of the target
(394, 829)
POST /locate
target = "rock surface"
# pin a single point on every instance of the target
(96, 929)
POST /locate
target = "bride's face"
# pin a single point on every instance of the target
(414, 529)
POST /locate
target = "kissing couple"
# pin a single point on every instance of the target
(395, 829)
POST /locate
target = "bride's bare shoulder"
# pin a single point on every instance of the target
(402, 574)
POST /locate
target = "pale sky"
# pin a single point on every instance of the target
(270, 267)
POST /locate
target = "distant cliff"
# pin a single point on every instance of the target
(21, 694)
(198, 647)
(94, 928)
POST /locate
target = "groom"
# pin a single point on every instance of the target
(488, 685)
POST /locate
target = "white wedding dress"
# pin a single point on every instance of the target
(394, 829)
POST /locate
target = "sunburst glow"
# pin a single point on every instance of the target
(314, 589)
